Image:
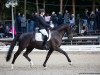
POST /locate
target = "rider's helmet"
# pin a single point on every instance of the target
(42, 11)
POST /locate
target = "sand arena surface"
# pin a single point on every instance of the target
(82, 64)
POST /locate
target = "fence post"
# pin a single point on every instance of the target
(99, 39)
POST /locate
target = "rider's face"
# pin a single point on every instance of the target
(43, 13)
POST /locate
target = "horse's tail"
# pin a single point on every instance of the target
(12, 47)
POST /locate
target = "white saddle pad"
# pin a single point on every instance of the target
(39, 37)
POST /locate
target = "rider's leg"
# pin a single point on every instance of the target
(45, 40)
(44, 32)
(44, 44)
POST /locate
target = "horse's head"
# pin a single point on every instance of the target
(65, 29)
(70, 33)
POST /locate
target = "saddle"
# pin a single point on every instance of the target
(39, 36)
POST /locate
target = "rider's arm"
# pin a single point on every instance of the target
(43, 22)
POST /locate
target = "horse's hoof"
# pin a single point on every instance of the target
(31, 64)
(44, 65)
(12, 66)
(70, 63)
(45, 68)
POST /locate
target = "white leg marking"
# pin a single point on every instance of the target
(70, 63)
(45, 68)
(12, 66)
(31, 63)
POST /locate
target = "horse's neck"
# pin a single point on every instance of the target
(61, 32)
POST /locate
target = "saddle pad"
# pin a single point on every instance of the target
(38, 36)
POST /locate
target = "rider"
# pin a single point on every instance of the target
(43, 27)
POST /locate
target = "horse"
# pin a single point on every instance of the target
(27, 40)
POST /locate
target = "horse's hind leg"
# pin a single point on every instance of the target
(15, 56)
(28, 50)
(63, 52)
(47, 57)
(20, 49)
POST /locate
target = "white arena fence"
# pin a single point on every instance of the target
(64, 47)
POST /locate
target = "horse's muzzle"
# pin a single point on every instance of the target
(70, 37)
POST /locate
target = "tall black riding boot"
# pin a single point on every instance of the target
(45, 46)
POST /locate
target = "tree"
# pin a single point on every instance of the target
(49, 5)
(2, 6)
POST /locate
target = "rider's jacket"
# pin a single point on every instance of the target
(41, 23)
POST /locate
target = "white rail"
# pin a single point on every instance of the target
(64, 47)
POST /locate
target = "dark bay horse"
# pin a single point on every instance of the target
(27, 40)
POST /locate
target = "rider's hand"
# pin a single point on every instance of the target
(50, 28)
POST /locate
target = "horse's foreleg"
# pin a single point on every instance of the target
(63, 52)
(28, 50)
(47, 57)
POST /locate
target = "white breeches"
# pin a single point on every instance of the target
(44, 32)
